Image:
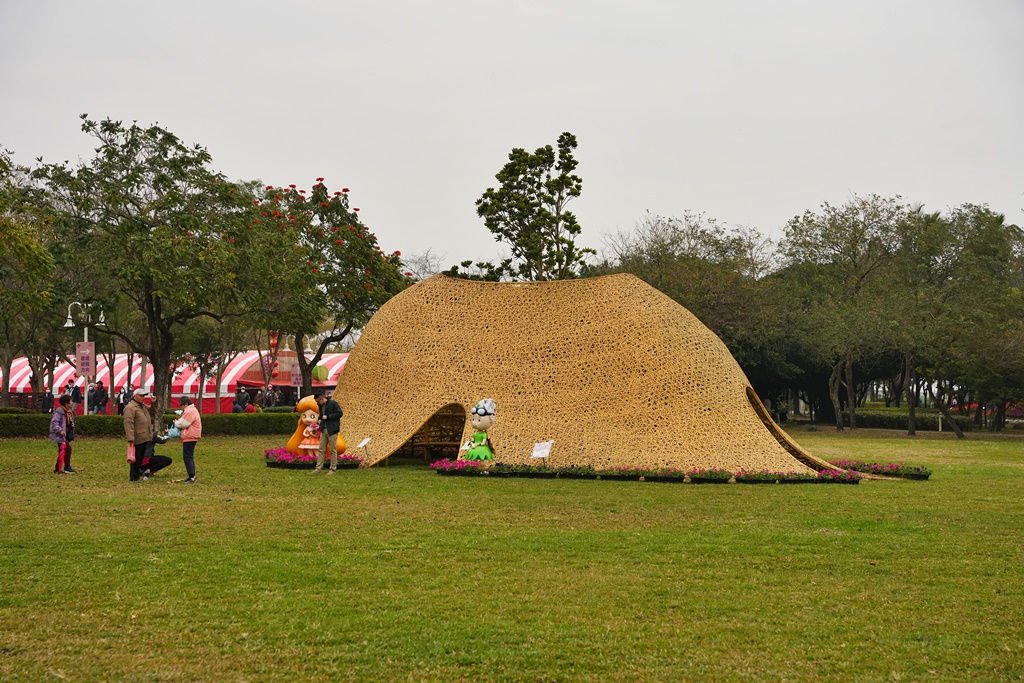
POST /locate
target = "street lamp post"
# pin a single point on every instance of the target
(71, 323)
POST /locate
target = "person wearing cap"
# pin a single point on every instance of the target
(138, 430)
(191, 426)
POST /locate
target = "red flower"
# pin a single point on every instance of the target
(292, 186)
(256, 221)
(321, 233)
(302, 192)
(316, 270)
(232, 240)
(270, 187)
(356, 208)
(344, 189)
(334, 228)
(347, 295)
(337, 194)
(319, 180)
(359, 234)
(368, 272)
(408, 274)
(351, 227)
(339, 241)
(398, 253)
(324, 204)
(367, 285)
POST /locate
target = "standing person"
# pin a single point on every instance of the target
(138, 430)
(268, 398)
(330, 427)
(123, 397)
(242, 398)
(191, 426)
(62, 433)
(102, 398)
(76, 396)
(91, 393)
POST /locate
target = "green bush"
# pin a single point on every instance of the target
(38, 424)
(280, 409)
(929, 422)
(16, 410)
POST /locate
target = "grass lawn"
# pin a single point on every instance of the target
(398, 574)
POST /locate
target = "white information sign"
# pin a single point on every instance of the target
(362, 444)
(542, 449)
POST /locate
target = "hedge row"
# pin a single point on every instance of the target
(928, 422)
(38, 424)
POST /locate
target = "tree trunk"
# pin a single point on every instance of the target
(908, 383)
(833, 392)
(944, 407)
(851, 392)
(7, 359)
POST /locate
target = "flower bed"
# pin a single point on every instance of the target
(281, 458)
(621, 473)
(667, 475)
(838, 477)
(890, 469)
(823, 477)
(576, 472)
(460, 468)
(709, 476)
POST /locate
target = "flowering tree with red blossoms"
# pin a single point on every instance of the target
(326, 270)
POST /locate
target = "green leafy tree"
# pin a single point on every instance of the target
(153, 228)
(327, 274)
(27, 267)
(841, 254)
(528, 213)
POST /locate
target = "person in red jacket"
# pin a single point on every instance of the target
(191, 426)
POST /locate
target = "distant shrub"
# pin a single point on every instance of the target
(19, 425)
(15, 410)
(928, 422)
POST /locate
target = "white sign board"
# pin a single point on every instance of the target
(362, 444)
(542, 449)
(296, 378)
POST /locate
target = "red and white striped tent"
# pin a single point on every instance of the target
(185, 381)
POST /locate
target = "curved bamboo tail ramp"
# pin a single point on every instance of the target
(612, 370)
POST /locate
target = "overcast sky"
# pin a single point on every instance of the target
(749, 111)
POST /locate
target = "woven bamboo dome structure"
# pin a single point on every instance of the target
(612, 370)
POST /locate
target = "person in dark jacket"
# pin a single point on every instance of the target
(330, 428)
(101, 398)
(75, 393)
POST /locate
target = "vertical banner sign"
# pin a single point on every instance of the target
(296, 377)
(85, 359)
